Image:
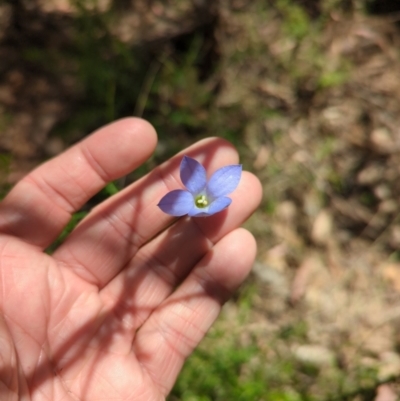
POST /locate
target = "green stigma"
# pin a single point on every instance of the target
(201, 201)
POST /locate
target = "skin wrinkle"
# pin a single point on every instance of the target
(9, 391)
(120, 312)
(133, 205)
(89, 363)
(55, 325)
(49, 190)
(141, 214)
(121, 307)
(101, 378)
(161, 270)
(164, 268)
(136, 244)
(5, 256)
(58, 303)
(163, 389)
(110, 217)
(146, 392)
(208, 239)
(202, 280)
(11, 362)
(3, 271)
(93, 163)
(5, 223)
(205, 276)
(61, 355)
(199, 274)
(168, 332)
(43, 304)
(3, 363)
(78, 305)
(185, 306)
(82, 189)
(166, 178)
(77, 374)
(66, 317)
(48, 296)
(38, 364)
(171, 282)
(171, 338)
(22, 330)
(13, 217)
(145, 373)
(45, 397)
(113, 225)
(78, 267)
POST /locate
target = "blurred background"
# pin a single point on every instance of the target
(309, 92)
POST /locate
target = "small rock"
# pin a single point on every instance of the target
(310, 265)
(54, 146)
(381, 138)
(382, 191)
(391, 273)
(370, 174)
(389, 365)
(322, 228)
(395, 236)
(388, 206)
(273, 278)
(287, 211)
(262, 157)
(316, 355)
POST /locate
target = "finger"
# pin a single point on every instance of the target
(108, 238)
(41, 204)
(161, 265)
(176, 327)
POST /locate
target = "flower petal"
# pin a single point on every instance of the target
(196, 211)
(193, 175)
(218, 205)
(177, 203)
(224, 181)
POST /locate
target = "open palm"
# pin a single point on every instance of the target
(114, 312)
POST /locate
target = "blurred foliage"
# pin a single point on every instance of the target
(108, 71)
(223, 368)
(296, 22)
(5, 161)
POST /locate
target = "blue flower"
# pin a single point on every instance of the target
(201, 198)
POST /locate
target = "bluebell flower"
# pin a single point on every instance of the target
(201, 197)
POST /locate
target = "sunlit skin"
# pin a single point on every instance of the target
(114, 312)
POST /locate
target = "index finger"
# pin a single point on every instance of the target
(40, 205)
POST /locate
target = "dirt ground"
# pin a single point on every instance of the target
(320, 108)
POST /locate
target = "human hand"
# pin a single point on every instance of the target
(114, 312)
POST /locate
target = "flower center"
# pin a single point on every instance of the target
(201, 201)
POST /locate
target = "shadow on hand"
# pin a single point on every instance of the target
(162, 261)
